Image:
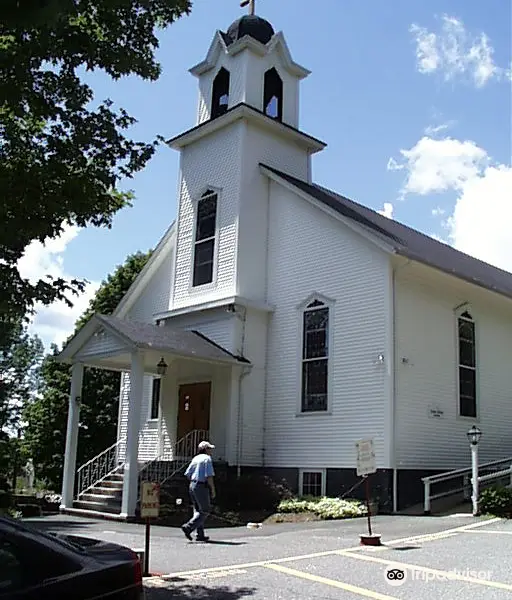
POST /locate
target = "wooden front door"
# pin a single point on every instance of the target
(194, 408)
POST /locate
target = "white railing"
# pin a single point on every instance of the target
(165, 466)
(494, 471)
(99, 467)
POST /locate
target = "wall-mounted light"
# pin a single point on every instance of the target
(161, 367)
(380, 359)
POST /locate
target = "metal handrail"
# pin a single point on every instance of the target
(97, 468)
(449, 475)
(166, 465)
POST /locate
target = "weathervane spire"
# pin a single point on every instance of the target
(251, 4)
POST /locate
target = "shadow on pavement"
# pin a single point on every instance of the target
(58, 525)
(222, 543)
(199, 592)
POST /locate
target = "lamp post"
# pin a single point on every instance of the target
(474, 435)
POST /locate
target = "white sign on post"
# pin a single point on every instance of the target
(365, 458)
(150, 500)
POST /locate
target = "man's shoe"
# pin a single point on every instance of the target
(203, 538)
(186, 532)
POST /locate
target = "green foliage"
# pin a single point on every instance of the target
(497, 501)
(323, 507)
(20, 360)
(45, 435)
(252, 492)
(63, 153)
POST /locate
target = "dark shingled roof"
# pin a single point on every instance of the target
(179, 341)
(409, 242)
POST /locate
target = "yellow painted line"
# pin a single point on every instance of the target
(331, 582)
(262, 563)
(445, 575)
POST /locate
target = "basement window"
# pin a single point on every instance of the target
(312, 483)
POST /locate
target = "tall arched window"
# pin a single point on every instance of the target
(273, 95)
(204, 244)
(220, 93)
(315, 356)
(467, 365)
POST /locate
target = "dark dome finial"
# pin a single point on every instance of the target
(252, 25)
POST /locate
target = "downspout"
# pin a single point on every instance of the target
(393, 391)
(243, 373)
(394, 385)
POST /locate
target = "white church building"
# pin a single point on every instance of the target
(285, 322)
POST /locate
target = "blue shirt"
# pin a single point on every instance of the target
(200, 468)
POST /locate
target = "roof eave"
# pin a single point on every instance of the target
(350, 223)
(244, 111)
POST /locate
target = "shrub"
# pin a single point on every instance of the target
(252, 492)
(496, 500)
(325, 508)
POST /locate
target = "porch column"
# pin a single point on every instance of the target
(68, 475)
(131, 467)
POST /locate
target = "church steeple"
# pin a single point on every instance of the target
(249, 63)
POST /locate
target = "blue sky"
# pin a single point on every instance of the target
(406, 76)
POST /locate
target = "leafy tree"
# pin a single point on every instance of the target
(62, 154)
(45, 435)
(20, 360)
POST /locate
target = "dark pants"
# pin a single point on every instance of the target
(200, 499)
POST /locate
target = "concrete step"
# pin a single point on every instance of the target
(101, 499)
(97, 506)
(112, 484)
(107, 490)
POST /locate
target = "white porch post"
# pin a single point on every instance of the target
(131, 467)
(68, 479)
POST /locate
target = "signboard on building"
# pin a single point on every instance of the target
(150, 500)
(366, 464)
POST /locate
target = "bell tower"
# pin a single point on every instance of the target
(248, 113)
(249, 63)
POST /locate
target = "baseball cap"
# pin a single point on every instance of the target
(205, 445)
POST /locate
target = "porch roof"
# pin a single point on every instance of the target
(104, 337)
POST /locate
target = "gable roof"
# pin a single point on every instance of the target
(147, 336)
(409, 242)
(145, 274)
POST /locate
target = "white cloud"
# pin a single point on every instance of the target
(435, 166)
(453, 52)
(387, 210)
(480, 222)
(56, 322)
(438, 211)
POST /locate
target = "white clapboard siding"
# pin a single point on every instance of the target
(103, 343)
(426, 363)
(217, 325)
(310, 252)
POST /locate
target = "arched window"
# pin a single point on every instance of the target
(204, 244)
(273, 95)
(315, 356)
(467, 365)
(220, 93)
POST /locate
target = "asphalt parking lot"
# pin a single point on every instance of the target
(455, 557)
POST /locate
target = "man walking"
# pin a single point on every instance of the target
(200, 474)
